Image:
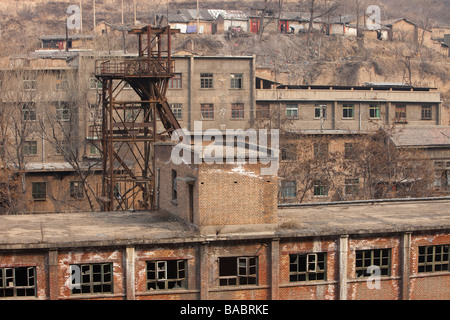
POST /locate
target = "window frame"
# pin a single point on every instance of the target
(76, 191)
(29, 112)
(176, 82)
(239, 110)
(91, 275)
(177, 110)
(244, 275)
(39, 190)
(263, 111)
(207, 109)
(289, 108)
(427, 265)
(346, 107)
(30, 148)
(320, 109)
(237, 81)
(400, 113)
(63, 111)
(15, 289)
(320, 188)
(361, 271)
(288, 189)
(377, 109)
(165, 281)
(426, 112)
(206, 81)
(303, 273)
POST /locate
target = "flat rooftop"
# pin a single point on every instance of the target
(66, 230)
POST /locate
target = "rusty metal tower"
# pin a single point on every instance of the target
(129, 126)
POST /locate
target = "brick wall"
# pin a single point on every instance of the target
(202, 269)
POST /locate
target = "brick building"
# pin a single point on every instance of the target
(218, 234)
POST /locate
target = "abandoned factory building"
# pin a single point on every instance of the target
(220, 234)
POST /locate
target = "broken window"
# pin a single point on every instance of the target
(38, 190)
(206, 80)
(426, 113)
(166, 275)
(92, 278)
(18, 282)
(348, 111)
(433, 258)
(237, 111)
(380, 258)
(307, 266)
(238, 271)
(207, 110)
(236, 80)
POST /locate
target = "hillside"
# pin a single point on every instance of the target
(329, 60)
(333, 60)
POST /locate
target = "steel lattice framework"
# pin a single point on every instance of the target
(129, 128)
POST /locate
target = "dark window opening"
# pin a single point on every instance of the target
(18, 282)
(166, 275)
(238, 271)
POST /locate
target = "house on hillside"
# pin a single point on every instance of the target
(106, 28)
(201, 20)
(228, 19)
(63, 42)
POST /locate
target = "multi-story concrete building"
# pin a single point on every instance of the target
(59, 90)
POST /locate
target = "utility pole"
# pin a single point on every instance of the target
(122, 12)
(81, 17)
(198, 17)
(93, 7)
(135, 8)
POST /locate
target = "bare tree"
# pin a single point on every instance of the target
(18, 99)
(61, 130)
(318, 9)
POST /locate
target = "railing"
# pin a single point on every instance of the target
(135, 67)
